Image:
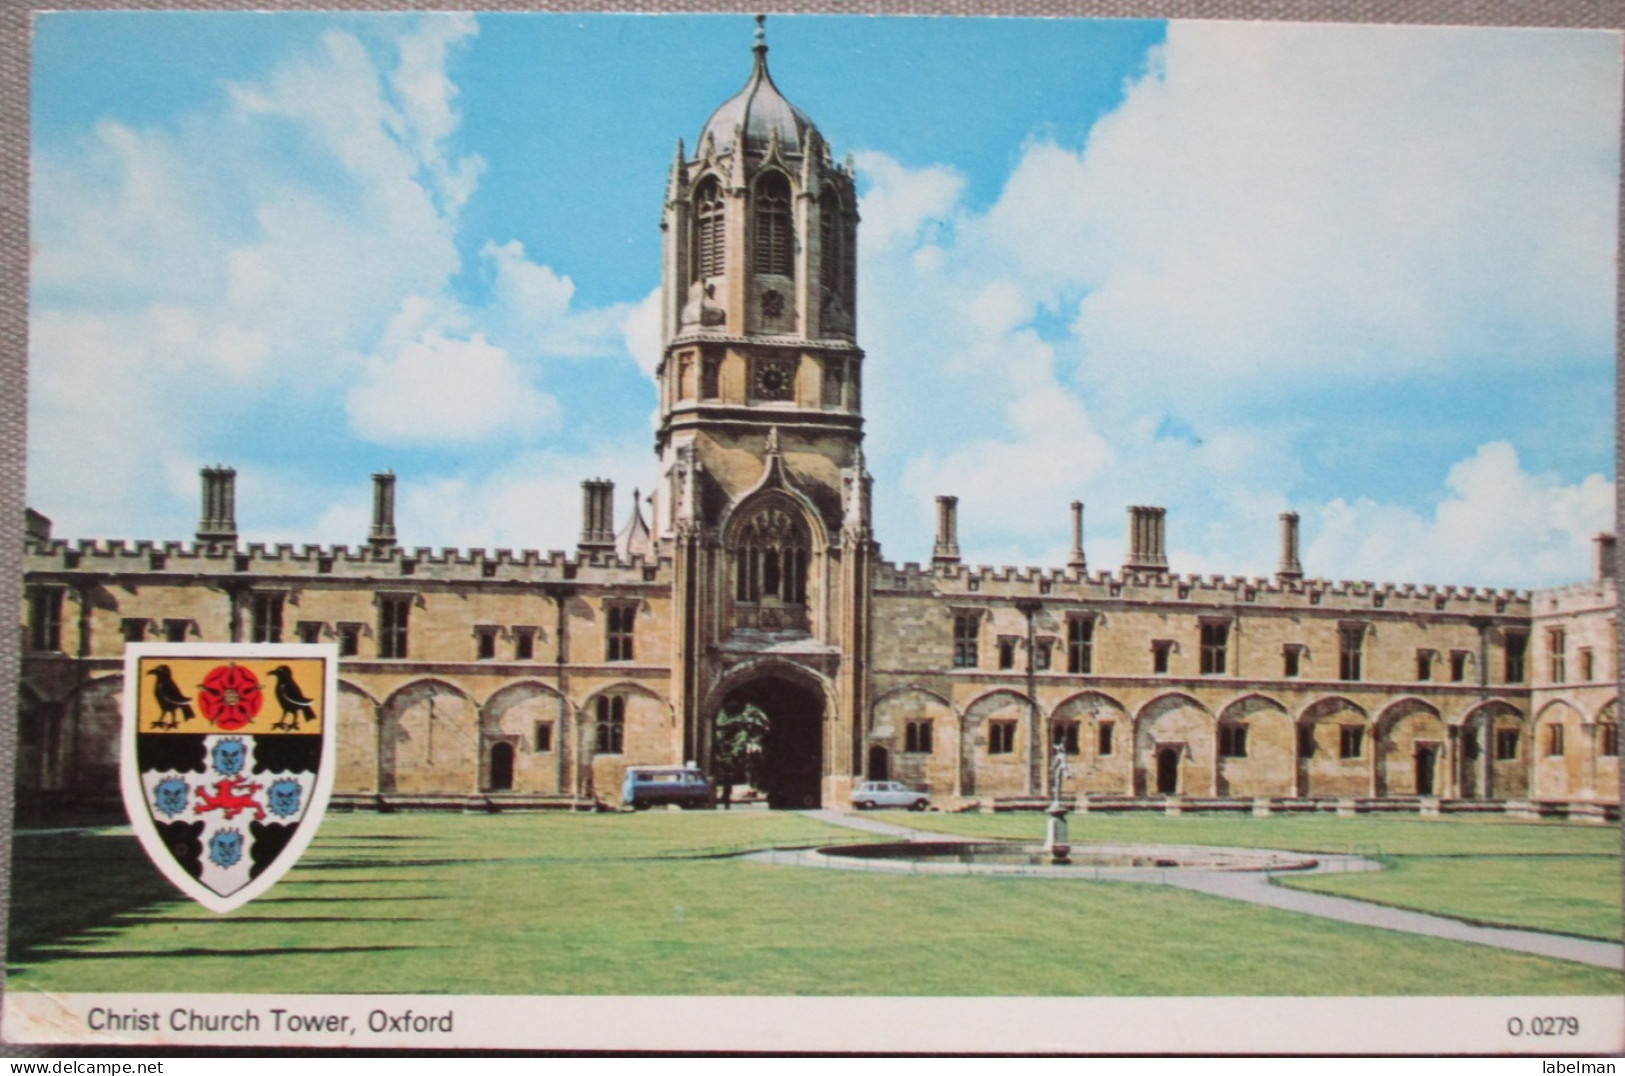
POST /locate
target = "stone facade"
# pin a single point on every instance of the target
(524, 679)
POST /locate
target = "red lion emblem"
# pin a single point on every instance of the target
(232, 795)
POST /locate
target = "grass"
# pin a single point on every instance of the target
(650, 904)
(1551, 876)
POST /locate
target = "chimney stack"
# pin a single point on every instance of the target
(597, 517)
(381, 536)
(946, 550)
(1290, 567)
(1603, 556)
(1077, 562)
(36, 526)
(217, 526)
(1146, 536)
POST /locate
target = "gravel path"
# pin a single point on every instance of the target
(1254, 887)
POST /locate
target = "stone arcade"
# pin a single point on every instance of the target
(519, 679)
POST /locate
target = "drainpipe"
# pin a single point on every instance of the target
(563, 740)
(1035, 749)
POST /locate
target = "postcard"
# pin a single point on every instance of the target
(818, 532)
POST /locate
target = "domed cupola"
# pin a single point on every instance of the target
(758, 112)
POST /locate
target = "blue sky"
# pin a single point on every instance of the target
(1364, 273)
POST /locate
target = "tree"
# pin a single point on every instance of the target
(737, 754)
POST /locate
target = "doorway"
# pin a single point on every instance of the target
(1168, 771)
(879, 764)
(1426, 757)
(791, 768)
(501, 773)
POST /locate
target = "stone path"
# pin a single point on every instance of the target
(1254, 887)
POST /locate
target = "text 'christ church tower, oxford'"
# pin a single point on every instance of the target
(760, 437)
(514, 680)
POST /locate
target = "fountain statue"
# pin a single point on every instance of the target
(1055, 840)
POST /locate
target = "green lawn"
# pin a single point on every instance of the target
(1554, 876)
(650, 904)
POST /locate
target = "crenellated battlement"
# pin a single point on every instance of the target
(1575, 597)
(144, 557)
(962, 582)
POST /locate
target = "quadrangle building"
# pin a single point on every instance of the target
(492, 680)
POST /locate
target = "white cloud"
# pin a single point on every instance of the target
(432, 388)
(531, 309)
(641, 329)
(1283, 212)
(297, 241)
(533, 502)
(1494, 521)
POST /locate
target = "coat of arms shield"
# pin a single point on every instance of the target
(228, 758)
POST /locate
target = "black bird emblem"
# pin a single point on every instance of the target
(294, 702)
(172, 705)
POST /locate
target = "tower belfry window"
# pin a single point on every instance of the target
(775, 246)
(710, 258)
(836, 258)
(771, 558)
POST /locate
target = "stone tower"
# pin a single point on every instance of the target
(765, 501)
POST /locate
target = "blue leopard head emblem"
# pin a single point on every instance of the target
(169, 796)
(283, 797)
(229, 756)
(226, 848)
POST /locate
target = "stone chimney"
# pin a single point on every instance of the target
(1290, 567)
(381, 535)
(597, 517)
(217, 526)
(1077, 561)
(36, 526)
(946, 551)
(1146, 552)
(1603, 561)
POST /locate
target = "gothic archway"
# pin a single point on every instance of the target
(792, 764)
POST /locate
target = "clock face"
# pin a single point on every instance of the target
(773, 382)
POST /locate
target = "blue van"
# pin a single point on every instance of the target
(656, 786)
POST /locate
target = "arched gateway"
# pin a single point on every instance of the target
(791, 767)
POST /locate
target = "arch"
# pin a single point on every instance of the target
(772, 224)
(1494, 748)
(994, 745)
(708, 248)
(918, 728)
(535, 720)
(428, 739)
(1413, 750)
(758, 668)
(1257, 753)
(357, 741)
(89, 757)
(1105, 760)
(1605, 779)
(1178, 722)
(1333, 704)
(1559, 752)
(798, 707)
(38, 722)
(1336, 751)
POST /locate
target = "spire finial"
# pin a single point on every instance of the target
(761, 33)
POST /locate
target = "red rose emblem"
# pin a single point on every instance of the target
(230, 697)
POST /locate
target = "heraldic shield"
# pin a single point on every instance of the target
(228, 759)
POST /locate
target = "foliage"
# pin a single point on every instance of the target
(737, 751)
